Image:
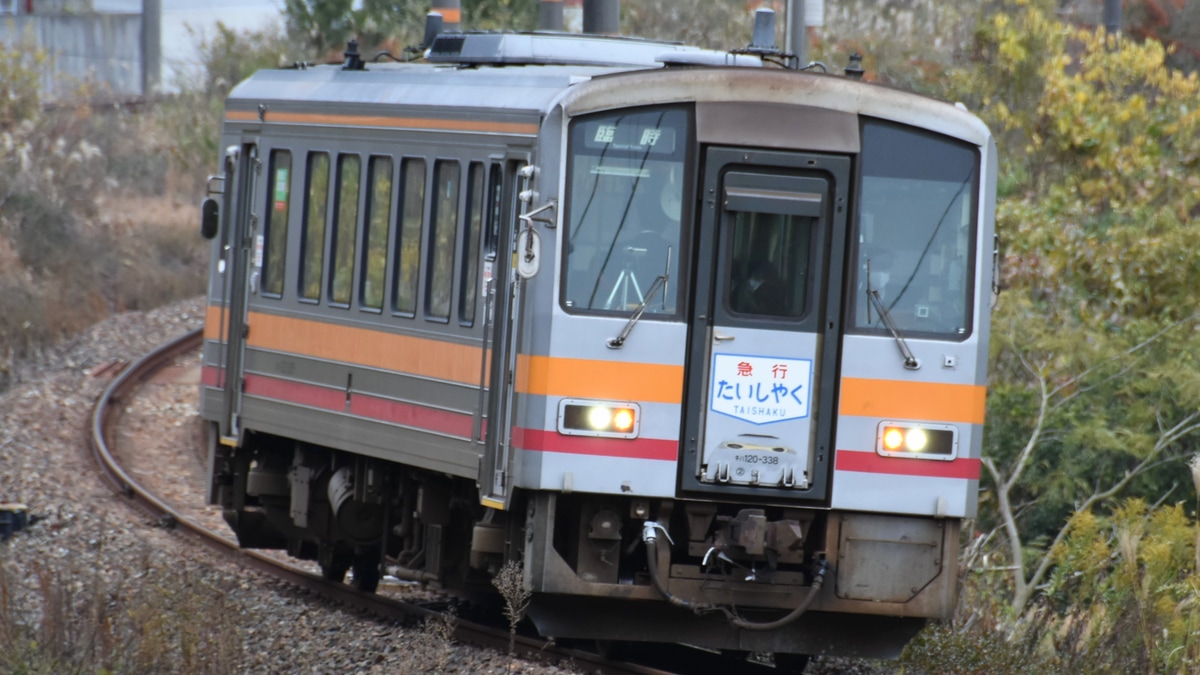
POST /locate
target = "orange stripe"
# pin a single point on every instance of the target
(539, 375)
(361, 346)
(212, 323)
(546, 376)
(896, 399)
(388, 122)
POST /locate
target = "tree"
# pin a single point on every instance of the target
(1094, 389)
(325, 26)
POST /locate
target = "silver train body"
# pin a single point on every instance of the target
(701, 347)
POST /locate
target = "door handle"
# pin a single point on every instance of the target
(717, 337)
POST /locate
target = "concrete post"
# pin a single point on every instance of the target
(151, 47)
(795, 39)
(1112, 16)
(602, 17)
(550, 15)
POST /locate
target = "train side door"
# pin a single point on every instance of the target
(500, 338)
(764, 333)
(242, 167)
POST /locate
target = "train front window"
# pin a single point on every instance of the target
(916, 231)
(623, 211)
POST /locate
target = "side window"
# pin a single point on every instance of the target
(316, 214)
(468, 290)
(275, 236)
(441, 241)
(341, 277)
(495, 197)
(408, 243)
(379, 204)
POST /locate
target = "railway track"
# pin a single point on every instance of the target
(104, 422)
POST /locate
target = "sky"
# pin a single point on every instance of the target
(178, 46)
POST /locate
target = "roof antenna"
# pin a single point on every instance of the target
(855, 70)
(763, 41)
(433, 28)
(353, 58)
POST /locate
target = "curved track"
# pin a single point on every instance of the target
(105, 417)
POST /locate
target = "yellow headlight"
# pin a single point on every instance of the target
(893, 438)
(604, 419)
(921, 440)
(623, 420)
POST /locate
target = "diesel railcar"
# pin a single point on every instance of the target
(698, 342)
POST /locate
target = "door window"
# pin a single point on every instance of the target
(769, 271)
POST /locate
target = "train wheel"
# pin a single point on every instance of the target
(366, 571)
(735, 662)
(336, 568)
(791, 664)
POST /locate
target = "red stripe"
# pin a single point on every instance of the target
(538, 440)
(296, 392)
(369, 407)
(869, 462)
(212, 376)
(429, 419)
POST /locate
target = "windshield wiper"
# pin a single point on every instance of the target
(910, 360)
(660, 281)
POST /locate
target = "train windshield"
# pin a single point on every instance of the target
(623, 211)
(916, 230)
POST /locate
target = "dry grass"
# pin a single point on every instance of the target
(71, 616)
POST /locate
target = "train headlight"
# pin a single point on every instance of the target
(917, 439)
(599, 417)
(608, 419)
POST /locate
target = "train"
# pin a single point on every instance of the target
(695, 342)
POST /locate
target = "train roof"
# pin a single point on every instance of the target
(523, 76)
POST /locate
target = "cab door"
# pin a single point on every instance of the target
(242, 167)
(763, 339)
(501, 335)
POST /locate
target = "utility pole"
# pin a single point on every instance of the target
(602, 17)
(151, 47)
(550, 15)
(1112, 16)
(795, 39)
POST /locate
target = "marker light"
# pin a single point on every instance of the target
(609, 419)
(623, 420)
(917, 439)
(893, 438)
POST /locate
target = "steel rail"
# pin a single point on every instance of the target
(106, 413)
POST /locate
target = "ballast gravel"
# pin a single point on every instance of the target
(93, 583)
(93, 569)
